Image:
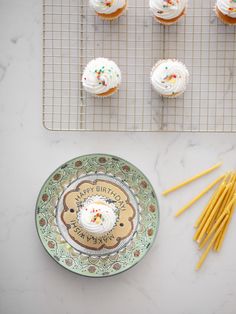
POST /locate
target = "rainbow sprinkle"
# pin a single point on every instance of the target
(97, 218)
(170, 78)
(98, 75)
(169, 3)
(108, 3)
(230, 9)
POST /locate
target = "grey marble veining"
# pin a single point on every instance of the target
(165, 281)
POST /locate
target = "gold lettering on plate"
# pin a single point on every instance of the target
(116, 194)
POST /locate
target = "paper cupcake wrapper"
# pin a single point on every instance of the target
(224, 18)
(113, 16)
(109, 93)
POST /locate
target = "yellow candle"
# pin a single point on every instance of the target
(211, 215)
(206, 252)
(232, 203)
(214, 228)
(208, 188)
(210, 204)
(204, 212)
(229, 195)
(214, 201)
(203, 173)
(214, 218)
(217, 243)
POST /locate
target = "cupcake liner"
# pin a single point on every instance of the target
(171, 21)
(171, 95)
(109, 93)
(224, 18)
(115, 15)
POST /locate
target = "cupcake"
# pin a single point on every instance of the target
(109, 9)
(101, 77)
(97, 216)
(226, 11)
(168, 12)
(169, 78)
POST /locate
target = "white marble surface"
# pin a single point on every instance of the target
(165, 281)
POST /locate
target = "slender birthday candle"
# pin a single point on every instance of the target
(208, 188)
(201, 174)
(204, 255)
(207, 208)
(216, 245)
(217, 224)
(211, 206)
(214, 210)
(233, 201)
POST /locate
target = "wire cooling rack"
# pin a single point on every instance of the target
(73, 35)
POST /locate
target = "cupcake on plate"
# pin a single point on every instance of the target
(101, 77)
(168, 12)
(169, 78)
(97, 216)
(109, 9)
(226, 11)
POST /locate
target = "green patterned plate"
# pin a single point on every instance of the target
(82, 180)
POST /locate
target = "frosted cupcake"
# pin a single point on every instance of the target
(226, 11)
(97, 216)
(101, 77)
(109, 10)
(169, 78)
(168, 12)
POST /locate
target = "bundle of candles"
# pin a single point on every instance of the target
(214, 220)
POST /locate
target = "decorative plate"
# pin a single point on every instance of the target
(115, 182)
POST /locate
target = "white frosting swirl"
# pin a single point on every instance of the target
(101, 75)
(107, 6)
(169, 77)
(167, 9)
(227, 7)
(97, 216)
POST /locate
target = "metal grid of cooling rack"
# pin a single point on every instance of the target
(73, 35)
